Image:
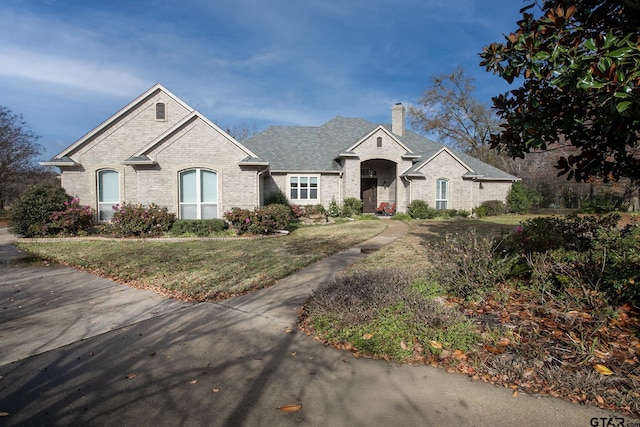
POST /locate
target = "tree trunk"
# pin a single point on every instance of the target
(632, 195)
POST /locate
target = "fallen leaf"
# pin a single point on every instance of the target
(504, 342)
(493, 350)
(435, 344)
(515, 393)
(600, 399)
(602, 369)
(215, 390)
(130, 376)
(193, 382)
(290, 408)
(459, 354)
(367, 336)
(403, 345)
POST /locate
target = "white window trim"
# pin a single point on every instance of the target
(308, 199)
(155, 111)
(439, 199)
(108, 204)
(198, 201)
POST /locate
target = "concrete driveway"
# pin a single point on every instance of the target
(79, 350)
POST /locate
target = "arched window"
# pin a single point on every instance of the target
(442, 193)
(108, 193)
(379, 141)
(198, 194)
(161, 111)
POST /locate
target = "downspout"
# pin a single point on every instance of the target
(410, 189)
(258, 192)
(340, 187)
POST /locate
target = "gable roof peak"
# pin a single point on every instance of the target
(121, 113)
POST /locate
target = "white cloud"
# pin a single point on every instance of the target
(73, 73)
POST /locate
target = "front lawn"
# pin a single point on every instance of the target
(206, 270)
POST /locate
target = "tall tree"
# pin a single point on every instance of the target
(578, 67)
(449, 108)
(18, 148)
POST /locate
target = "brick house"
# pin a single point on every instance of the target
(157, 149)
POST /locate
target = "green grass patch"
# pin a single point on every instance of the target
(206, 270)
(383, 313)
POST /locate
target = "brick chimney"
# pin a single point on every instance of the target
(397, 119)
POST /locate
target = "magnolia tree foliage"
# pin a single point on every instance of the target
(578, 67)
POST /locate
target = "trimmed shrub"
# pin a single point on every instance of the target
(419, 209)
(30, 214)
(268, 219)
(351, 206)
(491, 208)
(74, 220)
(198, 227)
(139, 220)
(262, 220)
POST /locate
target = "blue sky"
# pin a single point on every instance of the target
(67, 65)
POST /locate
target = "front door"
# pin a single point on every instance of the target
(369, 194)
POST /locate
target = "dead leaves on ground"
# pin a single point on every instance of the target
(548, 344)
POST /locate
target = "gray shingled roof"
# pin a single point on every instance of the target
(304, 148)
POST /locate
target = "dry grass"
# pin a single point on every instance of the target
(206, 270)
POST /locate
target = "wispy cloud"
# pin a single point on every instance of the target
(73, 73)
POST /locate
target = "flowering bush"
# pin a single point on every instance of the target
(267, 219)
(298, 211)
(312, 210)
(139, 220)
(74, 220)
(239, 219)
(262, 220)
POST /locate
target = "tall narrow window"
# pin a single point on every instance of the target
(108, 193)
(379, 141)
(198, 194)
(161, 111)
(442, 194)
